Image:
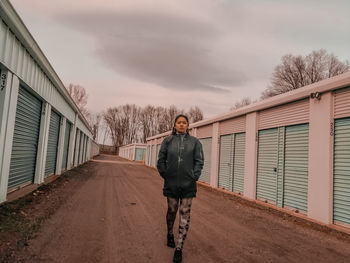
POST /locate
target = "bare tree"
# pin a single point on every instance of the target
(297, 71)
(241, 103)
(94, 121)
(131, 124)
(79, 95)
(195, 114)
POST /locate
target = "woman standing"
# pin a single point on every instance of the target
(180, 163)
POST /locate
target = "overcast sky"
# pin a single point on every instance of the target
(184, 52)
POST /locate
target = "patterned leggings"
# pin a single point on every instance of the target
(184, 222)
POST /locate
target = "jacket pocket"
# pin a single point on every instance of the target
(192, 175)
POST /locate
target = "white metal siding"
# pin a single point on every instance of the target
(284, 115)
(14, 55)
(205, 131)
(235, 125)
(342, 103)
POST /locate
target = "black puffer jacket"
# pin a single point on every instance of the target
(180, 164)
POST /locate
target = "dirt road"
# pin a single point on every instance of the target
(118, 215)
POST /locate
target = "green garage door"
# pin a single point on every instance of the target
(266, 186)
(148, 155)
(66, 146)
(296, 166)
(153, 155)
(226, 161)
(341, 184)
(52, 145)
(283, 166)
(239, 158)
(80, 147)
(206, 143)
(25, 139)
(76, 145)
(140, 154)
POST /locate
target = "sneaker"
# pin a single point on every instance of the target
(177, 256)
(171, 242)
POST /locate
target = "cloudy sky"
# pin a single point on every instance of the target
(209, 53)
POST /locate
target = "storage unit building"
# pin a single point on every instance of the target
(38, 118)
(291, 150)
(133, 152)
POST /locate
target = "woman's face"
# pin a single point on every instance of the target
(181, 125)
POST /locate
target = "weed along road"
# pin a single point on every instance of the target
(117, 214)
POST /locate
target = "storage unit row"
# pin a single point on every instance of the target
(292, 150)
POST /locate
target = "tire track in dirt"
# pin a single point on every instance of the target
(118, 215)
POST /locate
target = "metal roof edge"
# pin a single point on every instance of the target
(17, 26)
(329, 84)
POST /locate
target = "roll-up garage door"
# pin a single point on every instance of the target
(84, 149)
(52, 145)
(25, 139)
(238, 162)
(266, 187)
(148, 155)
(75, 146)
(206, 143)
(80, 147)
(296, 166)
(153, 159)
(66, 145)
(341, 185)
(139, 155)
(226, 161)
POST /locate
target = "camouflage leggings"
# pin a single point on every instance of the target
(184, 221)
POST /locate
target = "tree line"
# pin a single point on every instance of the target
(133, 124)
(130, 123)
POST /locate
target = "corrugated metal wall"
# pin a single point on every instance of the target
(14, 55)
(235, 125)
(342, 103)
(205, 131)
(284, 115)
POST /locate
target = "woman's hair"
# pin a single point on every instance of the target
(176, 118)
